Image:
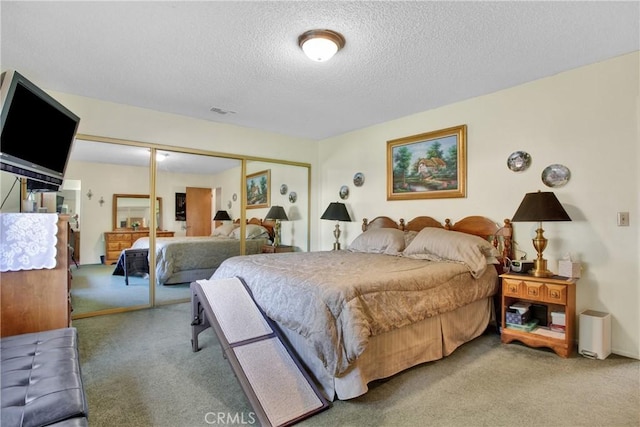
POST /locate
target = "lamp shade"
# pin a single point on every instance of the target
(337, 212)
(277, 212)
(222, 216)
(540, 206)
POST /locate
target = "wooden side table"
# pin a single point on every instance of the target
(557, 294)
(268, 249)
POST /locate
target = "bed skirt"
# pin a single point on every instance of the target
(394, 351)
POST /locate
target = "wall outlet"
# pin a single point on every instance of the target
(623, 219)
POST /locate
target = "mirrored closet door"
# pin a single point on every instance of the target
(103, 170)
(288, 186)
(195, 188)
(198, 196)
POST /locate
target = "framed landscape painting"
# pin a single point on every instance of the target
(259, 189)
(430, 165)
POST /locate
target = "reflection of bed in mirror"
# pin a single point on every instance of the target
(401, 295)
(189, 258)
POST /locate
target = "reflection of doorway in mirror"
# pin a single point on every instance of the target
(199, 211)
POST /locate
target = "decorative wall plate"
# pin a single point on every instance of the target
(293, 197)
(556, 175)
(519, 161)
(284, 189)
(344, 192)
(234, 197)
(358, 179)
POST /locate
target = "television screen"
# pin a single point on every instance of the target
(37, 131)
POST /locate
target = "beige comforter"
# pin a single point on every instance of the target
(337, 300)
(176, 254)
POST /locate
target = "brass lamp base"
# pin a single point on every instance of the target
(336, 234)
(540, 264)
(540, 268)
(276, 232)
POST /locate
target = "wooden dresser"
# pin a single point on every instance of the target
(117, 241)
(38, 300)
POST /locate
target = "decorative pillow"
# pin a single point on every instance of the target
(440, 244)
(224, 229)
(253, 231)
(390, 241)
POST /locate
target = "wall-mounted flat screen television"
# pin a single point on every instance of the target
(37, 131)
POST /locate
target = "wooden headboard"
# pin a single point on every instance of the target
(476, 225)
(266, 223)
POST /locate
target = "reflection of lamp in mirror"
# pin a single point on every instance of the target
(222, 216)
(336, 212)
(538, 207)
(278, 214)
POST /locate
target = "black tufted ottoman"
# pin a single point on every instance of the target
(41, 380)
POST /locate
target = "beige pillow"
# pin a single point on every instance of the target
(224, 229)
(253, 231)
(440, 244)
(390, 241)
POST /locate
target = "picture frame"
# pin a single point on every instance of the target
(181, 206)
(430, 165)
(258, 189)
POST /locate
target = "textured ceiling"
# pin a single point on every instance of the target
(400, 57)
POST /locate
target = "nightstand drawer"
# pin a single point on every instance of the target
(511, 287)
(533, 291)
(555, 293)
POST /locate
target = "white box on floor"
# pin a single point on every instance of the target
(595, 334)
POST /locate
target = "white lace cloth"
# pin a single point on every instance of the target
(27, 241)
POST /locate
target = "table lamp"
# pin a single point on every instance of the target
(336, 212)
(278, 214)
(222, 216)
(539, 207)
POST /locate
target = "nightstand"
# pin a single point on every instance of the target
(546, 294)
(268, 249)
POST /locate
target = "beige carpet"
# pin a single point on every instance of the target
(139, 370)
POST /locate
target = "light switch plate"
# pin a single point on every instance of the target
(623, 219)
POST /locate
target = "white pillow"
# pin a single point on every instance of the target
(224, 229)
(390, 241)
(440, 244)
(253, 231)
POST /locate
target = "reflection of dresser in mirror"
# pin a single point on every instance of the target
(129, 210)
(117, 241)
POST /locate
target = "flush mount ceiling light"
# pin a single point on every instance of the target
(321, 45)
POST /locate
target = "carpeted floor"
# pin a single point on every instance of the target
(95, 288)
(139, 370)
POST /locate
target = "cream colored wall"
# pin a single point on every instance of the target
(107, 119)
(103, 180)
(586, 119)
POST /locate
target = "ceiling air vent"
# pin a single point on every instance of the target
(221, 111)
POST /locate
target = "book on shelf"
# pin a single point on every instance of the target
(546, 332)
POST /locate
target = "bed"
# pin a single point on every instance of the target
(189, 258)
(401, 294)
